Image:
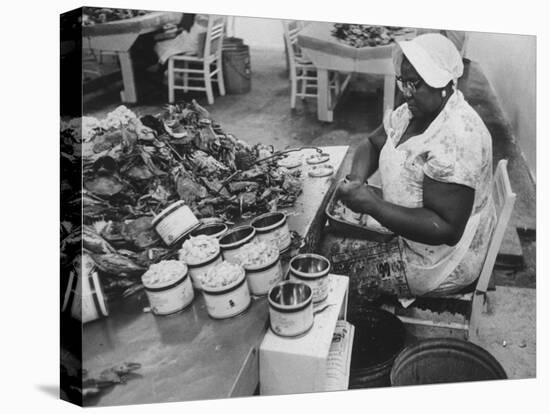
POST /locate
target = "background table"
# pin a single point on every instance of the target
(190, 356)
(330, 54)
(119, 36)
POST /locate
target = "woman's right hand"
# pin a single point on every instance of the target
(347, 188)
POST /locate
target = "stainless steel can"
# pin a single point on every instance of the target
(272, 227)
(311, 269)
(290, 309)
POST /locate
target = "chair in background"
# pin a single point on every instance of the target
(473, 300)
(303, 73)
(205, 67)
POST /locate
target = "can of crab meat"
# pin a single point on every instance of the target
(261, 279)
(272, 227)
(84, 296)
(233, 242)
(226, 298)
(174, 222)
(210, 229)
(196, 270)
(168, 287)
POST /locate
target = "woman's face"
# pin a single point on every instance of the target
(425, 100)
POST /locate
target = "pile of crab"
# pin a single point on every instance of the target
(134, 167)
(362, 35)
(98, 15)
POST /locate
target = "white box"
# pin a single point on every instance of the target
(298, 365)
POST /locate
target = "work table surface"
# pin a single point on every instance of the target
(189, 356)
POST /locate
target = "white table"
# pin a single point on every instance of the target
(330, 54)
(190, 356)
(119, 36)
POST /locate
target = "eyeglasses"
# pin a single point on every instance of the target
(407, 87)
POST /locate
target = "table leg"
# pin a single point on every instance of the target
(389, 92)
(128, 95)
(324, 111)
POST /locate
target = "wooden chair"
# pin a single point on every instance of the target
(472, 301)
(303, 73)
(206, 65)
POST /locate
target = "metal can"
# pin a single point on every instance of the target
(196, 270)
(227, 301)
(234, 240)
(174, 222)
(169, 295)
(261, 279)
(273, 228)
(290, 309)
(311, 269)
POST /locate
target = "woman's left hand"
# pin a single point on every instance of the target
(357, 196)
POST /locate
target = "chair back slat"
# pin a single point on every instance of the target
(504, 199)
(214, 35)
(291, 30)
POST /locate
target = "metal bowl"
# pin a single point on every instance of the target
(309, 265)
(289, 295)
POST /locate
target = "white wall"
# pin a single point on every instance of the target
(257, 32)
(509, 62)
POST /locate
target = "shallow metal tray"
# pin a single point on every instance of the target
(345, 228)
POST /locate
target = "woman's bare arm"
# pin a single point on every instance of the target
(365, 158)
(442, 219)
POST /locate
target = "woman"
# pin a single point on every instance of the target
(435, 160)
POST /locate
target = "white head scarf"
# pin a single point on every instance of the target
(433, 56)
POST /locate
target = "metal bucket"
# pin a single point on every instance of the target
(379, 337)
(236, 66)
(443, 360)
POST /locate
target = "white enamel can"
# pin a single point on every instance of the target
(261, 279)
(311, 269)
(168, 287)
(174, 222)
(200, 253)
(196, 271)
(273, 228)
(233, 242)
(290, 309)
(210, 229)
(227, 301)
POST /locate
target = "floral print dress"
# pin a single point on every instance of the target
(455, 148)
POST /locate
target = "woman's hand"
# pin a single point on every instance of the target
(357, 196)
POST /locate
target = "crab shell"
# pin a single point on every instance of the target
(140, 232)
(104, 186)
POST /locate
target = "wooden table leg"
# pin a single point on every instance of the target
(389, 92)
(128, 95)
(324, 111)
